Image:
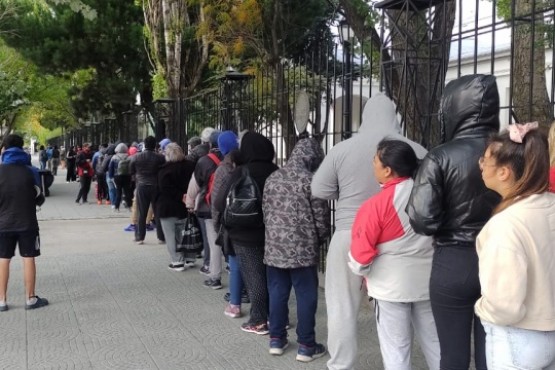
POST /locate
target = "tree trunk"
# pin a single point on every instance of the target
(529, 91)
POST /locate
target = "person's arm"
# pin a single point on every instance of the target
(503, 278)
(132, 168)
(321, 215)
(112, 167)
(325, 183)
(192, 192)
(221, 180)
(365, 234)
(425, 207)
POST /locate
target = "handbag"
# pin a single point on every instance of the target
(188, 236)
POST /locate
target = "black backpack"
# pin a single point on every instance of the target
(244, 203)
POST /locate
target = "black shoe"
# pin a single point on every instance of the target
(40, 302)
(213, 283)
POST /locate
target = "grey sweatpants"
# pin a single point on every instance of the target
(396, 323)
(168, 226)
(343, 296)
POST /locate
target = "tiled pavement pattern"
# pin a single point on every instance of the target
(115, 305)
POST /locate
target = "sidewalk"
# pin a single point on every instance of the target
(115, 305)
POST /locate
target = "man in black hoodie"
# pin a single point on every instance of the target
(20, 193)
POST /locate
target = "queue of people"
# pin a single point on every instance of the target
(451, 244)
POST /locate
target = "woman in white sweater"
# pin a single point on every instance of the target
(517, 254)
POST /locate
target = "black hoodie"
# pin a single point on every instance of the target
(257, 154)
(449, 199)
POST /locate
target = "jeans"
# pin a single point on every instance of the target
(235, 281)
(112, 192)
(454, 289)
(305, 282)
(508, 347)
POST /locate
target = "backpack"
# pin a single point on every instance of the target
(244, 203)
(123, 167)
(43, 156)
(210, 184)
(99, 162)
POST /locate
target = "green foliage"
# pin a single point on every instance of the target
(159, 85)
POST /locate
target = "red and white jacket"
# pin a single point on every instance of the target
(395, 260)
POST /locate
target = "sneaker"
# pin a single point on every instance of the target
(139, 242)
(232, 311)
(3, 306)
(190, 264)
(278, 345)
(204, 271)
(131, 227)
(307, 354)
(227, 269)
(149, 227)
(176, 267)
(36, 302)
(213, 283)
(244, 297)
(260, 329)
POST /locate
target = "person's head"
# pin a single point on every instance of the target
(132, 151)
(227, 141)
(194, 142)
(516, 163)
(174, 153)
(163, 143)
(205, 134)
(121, 148)
(393, 159)
(41, 147)
(551, 139)
(13, 141)
(150, 143)
(214, 139)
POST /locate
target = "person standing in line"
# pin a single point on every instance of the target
(395, 261)
(145, 166)
(516, 253)
(451, 203)
(110, 184)
(173, 178)
(98, 165)
(85, 173)
(256, 154)
(70, 165)
(55, 160)
(297, 225)
(341, 177)
(118, 169)
(43, 158)
(20, 194)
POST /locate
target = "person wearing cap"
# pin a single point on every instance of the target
(228, 144)
(163, 143)
(205, 167)
(20, 193)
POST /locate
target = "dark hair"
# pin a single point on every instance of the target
(399, 156)
(12, 141)
(529, 162)
(150, 142)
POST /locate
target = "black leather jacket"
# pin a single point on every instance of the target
(449, 199)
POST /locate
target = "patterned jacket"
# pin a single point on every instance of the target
(296, 222)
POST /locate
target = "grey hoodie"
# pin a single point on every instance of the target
(346, 174)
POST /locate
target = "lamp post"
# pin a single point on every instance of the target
(346, 36)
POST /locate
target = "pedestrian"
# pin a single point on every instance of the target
(85, 173)
(112, 192)
(55, 160)
(100, 171)
(516, 254)
(173, 178)
(256, 154)
(43, 158)
(49, 157)
(20, 194)
(451, 203)
(118, 169)
(144, 166)
(341, 177)
(297, 226)
(395, 261)
(228, 144)
(71, 156)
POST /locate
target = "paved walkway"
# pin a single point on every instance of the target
(115, 305)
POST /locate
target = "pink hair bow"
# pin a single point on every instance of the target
(517, 131)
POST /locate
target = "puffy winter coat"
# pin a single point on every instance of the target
(296, 222)
(449, 199)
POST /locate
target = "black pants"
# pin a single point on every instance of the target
(84, 188)
(70, 176)
(123, 189)
(145, 195)
(253, 271)
(454, 289)
(102, 187)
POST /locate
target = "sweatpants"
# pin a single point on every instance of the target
(343, 296)
(253, 271)
(396, 322)
(216, 254)
(168, 225)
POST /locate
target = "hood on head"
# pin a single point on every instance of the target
(111, 149)
(379, 115)
(307, 154)
(132, 151)
(121, 148)
(255, 147)
(469, 106)
(16, 156)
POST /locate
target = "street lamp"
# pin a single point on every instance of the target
(346, 35)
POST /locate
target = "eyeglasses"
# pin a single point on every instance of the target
(481, 163)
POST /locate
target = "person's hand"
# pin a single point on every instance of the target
(190, 210)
